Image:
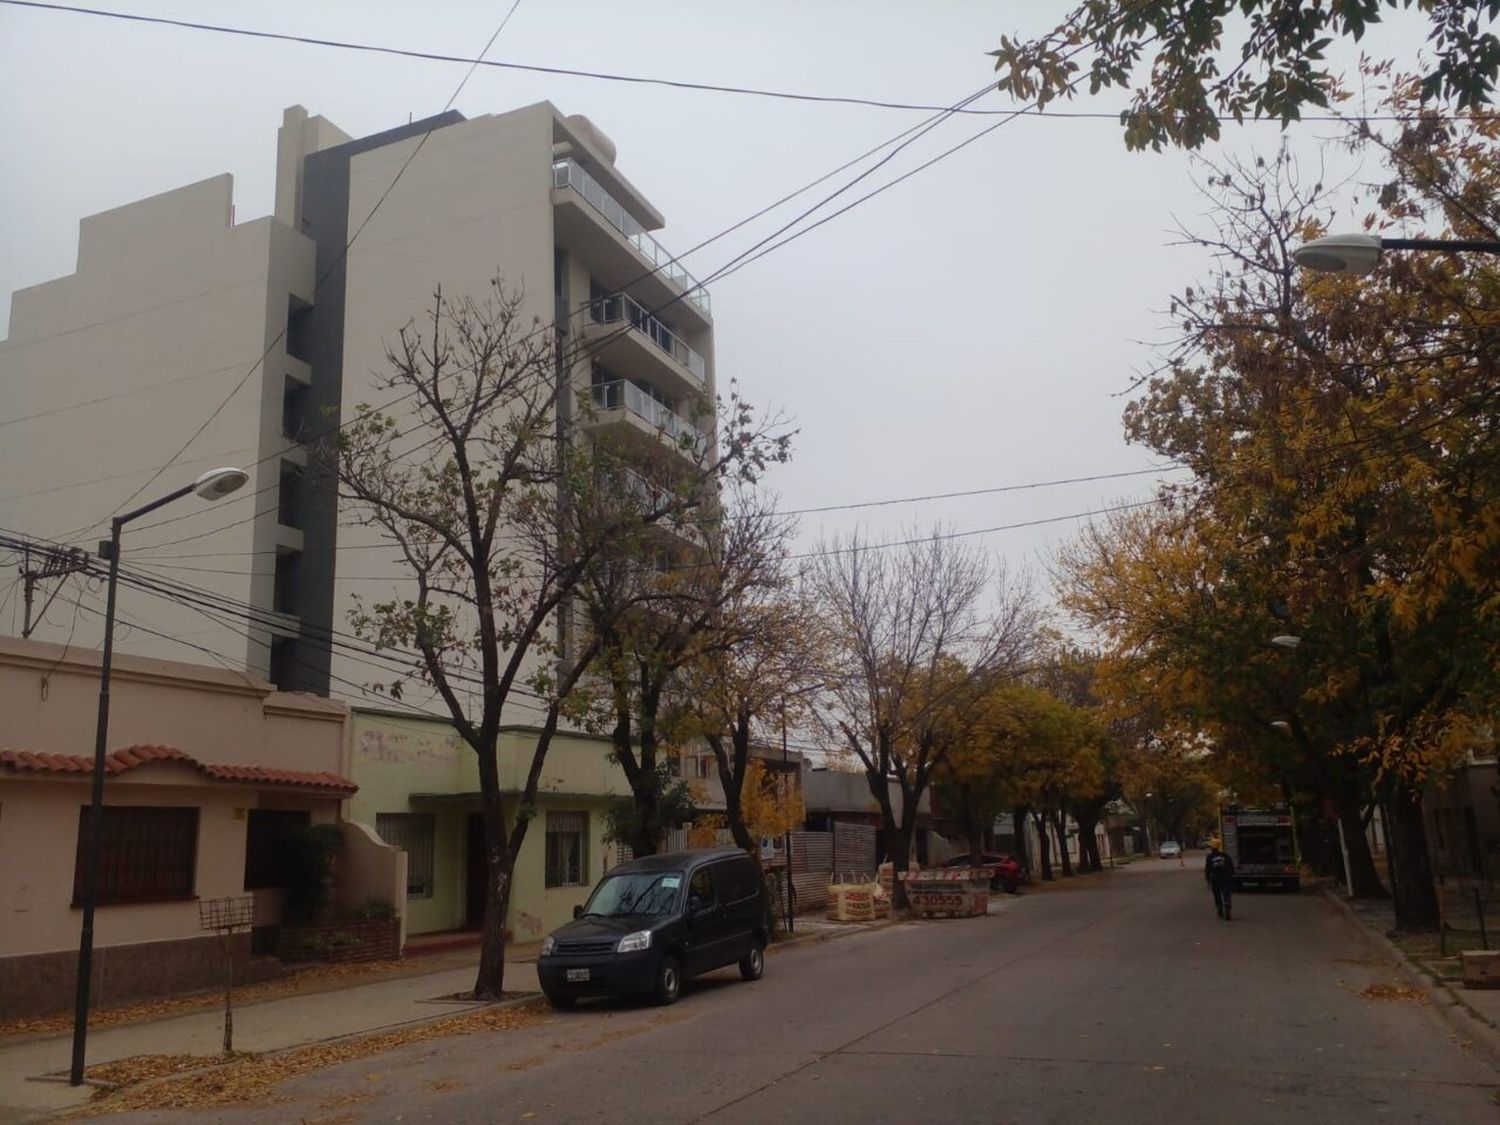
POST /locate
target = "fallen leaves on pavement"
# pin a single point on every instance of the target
(144, 1068)
(249, 1078)
(1394, 992)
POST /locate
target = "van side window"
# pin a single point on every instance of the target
(700, 891)
(735, 878)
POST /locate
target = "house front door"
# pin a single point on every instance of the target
(475, 874)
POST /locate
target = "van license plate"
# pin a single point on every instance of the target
(578, 974)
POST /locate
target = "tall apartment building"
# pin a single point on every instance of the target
(107, 372)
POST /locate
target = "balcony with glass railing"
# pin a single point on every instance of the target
(621, 394)
(622, 310)
(568, 173)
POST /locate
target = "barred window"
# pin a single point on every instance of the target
(413, 833)
(565, 836)
(146, 854)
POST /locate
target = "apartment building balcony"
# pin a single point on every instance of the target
(621, 405)
(623, 334)
(591, 222)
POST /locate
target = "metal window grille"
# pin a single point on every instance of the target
(565, 835)
(146, 853)
(415, 834)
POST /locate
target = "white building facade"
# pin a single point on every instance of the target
(248, 343)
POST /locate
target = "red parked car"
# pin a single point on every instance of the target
(1009, 874)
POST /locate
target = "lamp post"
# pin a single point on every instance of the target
(1359, 253)
(791, 899)
(212, 485)
(791, 908)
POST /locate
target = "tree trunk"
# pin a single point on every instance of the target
(1364, 880)
(733, 762)
(489, 981)
(972, 824)
(1018, 818)
(645, 834)
(1062, 843)
(1087, 816)
(1044, 850)
(1416, 898)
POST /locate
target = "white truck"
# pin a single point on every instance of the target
(1262, 843)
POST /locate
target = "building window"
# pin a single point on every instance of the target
(290, 495)
(293, 408)
(146, 854)
(703, 767)
(565, 835)
(284, 661)
(298, 329)
(413, 833)
(285, 591)
(268, 838)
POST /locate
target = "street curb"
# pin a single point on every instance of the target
(1446, 1001)
(795, 940)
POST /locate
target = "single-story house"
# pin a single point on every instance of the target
(207, 772)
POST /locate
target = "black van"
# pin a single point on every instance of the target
(657, 921)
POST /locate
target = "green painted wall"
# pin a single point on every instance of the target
(406, 763)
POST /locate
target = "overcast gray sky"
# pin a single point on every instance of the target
(971, 328)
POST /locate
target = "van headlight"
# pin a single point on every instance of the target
(547, 944)
(634, 943)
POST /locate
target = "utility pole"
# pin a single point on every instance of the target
(58, 563)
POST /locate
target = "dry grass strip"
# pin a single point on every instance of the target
(1394, 992)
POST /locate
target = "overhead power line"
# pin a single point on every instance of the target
(606, 76)
(905, 138)
(897, 144)
(859, 505)
(338, 261)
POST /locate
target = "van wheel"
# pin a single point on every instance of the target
(753, 964)
(668, 981)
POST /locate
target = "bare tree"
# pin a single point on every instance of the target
(652, 622)
(497, 510)
(916, 629)
(734, 693)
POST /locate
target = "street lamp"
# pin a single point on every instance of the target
(1359, 253)
(212, 485)
(1286, 640)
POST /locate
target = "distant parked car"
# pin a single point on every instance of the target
(1170, 850)
(1009, 874)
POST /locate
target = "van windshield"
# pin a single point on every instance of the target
(651, 894)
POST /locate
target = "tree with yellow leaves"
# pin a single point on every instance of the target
(1344, 440)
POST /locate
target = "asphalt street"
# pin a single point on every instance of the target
(1118, 997)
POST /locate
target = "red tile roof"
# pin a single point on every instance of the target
(132, 756)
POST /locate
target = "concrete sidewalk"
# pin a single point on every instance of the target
(270, 1025)
(1474, 1013)
(276, 1024)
